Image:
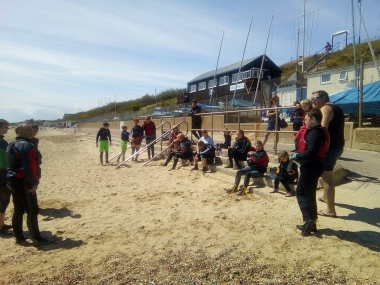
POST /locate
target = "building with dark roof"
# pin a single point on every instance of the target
(227, 79)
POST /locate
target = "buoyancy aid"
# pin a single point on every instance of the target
(301, 141)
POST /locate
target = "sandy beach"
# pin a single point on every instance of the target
(147, 225)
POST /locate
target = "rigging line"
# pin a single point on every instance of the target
(311, 33)
(241, 62)
(216, 68)
(262, 61)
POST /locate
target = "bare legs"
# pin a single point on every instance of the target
(266, 136)
(328, 192)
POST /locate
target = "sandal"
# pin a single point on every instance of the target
(289, 194)
(323, 213)
(320, 199)
(273, 191)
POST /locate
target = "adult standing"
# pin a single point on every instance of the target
(272, 116)
(5, 194)
(333, 120)
(297, 118)
(196, 121)
(23, 177)
(149, 128)
(102, 138)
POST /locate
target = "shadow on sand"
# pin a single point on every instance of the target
(362, 214)
(51, 213)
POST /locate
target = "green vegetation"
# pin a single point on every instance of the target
(164, 98)
(339, 58)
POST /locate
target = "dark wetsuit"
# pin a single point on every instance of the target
(239, 150)
(258, 164)
(196, 121)
(5, 194)
(208, 152)
(184, 151)
(24, 172)
(310, 170)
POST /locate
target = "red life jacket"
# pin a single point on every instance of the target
(302, 143)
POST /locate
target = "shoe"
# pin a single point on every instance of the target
(7, 227)
(273, 191)
(194, 168)
(228, 166)
(164, 164)
(313, 229)
(307, 227)
(4, 232)
(242, 192)
(289, 194)
(23, 242)
(232, 190)
(43, 241)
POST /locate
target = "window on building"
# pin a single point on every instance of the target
(235, 76)
(325, 78)
(193, 88)
(343, 75)
(211, 83)
(246, 74)
(256, 72)
(201, 86)
(223, 80)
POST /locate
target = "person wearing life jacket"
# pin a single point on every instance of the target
(239, 150)
(314, 147)
(257, 165)
(23, 178)
(102, 138)
(137, 135)
(184, 151)
(286, 172)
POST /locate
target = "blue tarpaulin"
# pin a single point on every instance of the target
(348, 99)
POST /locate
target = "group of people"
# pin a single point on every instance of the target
(20, 174)
(319, 143)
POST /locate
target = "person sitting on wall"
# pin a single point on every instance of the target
(184, 151)
(206, 153)
(239, 150)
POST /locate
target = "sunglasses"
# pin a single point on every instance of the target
(316, 98)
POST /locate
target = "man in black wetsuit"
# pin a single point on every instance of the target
(196, 121)
(5, 194)
(23, 177)
(184, 151)
(333, 120)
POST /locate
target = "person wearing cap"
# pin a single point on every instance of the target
(5, 194)
(297, 118)
(196, 121)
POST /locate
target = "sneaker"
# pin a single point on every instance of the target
(4, 232)
(273, 191)
(289, 194)
(307, 227)
(313, 229)
(43, 241)
(7, 227)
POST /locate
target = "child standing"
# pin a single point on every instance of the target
(287, 172)
(123, 143)
(137, 135)
(102, 138)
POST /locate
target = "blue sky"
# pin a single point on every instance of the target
(61, 57)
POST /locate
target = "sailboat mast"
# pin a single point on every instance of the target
(241, 62)
(216, 68)
(304, 35)
(262, 61)
(354, 44)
